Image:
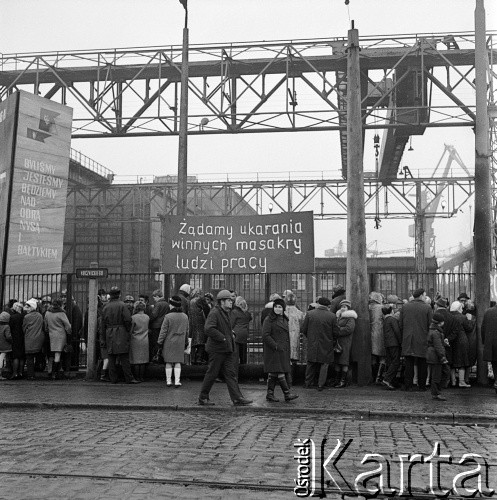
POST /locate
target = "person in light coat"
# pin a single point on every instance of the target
(59, 331)
(138, 347)
(173, 338)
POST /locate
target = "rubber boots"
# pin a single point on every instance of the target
(286, 390)
(271, 385)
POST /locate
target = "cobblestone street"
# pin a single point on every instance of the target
(79, 453)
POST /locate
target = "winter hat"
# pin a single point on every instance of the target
(438, 318)
(418, 292)
(393, 299)
(114, 291)
(279, 302)
(185, 288)
(175, 301)
(4, 317)
(456, 306)
(324, 301)
(32, 303)
(441, 302)
(346, 303)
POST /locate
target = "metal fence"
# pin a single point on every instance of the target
(255, 288)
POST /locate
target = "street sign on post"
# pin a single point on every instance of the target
(92, 273)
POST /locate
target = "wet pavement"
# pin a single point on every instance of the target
(79, 440)
(478, 404)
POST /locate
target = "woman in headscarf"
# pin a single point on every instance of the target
(276, 345)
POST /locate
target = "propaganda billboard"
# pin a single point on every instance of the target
(37, 180)
(8, 110)
(281, 243)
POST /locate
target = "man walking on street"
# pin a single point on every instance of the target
(414, 320)
(116, 324)
(221, 346)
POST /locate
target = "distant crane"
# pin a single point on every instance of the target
(427, 206)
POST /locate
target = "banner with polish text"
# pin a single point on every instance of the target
(37, 179)
(280, 243)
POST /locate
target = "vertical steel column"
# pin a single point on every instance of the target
(419, 232)
(357, 276)
(483, 221)
(183, 126)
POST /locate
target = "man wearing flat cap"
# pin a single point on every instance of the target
(414, 321)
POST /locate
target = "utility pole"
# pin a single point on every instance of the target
(419, 231)
(357, 275)
(482, 229)
(182, 195)
(183, 124)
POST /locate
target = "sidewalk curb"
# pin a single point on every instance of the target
(446, 417)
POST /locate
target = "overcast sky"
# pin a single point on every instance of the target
(51, 25)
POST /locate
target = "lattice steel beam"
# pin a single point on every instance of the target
(246, 88)
(327, 198)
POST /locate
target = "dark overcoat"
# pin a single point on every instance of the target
(276, 344)
(391, 332)
(240, 322)
(450, 329)
(489, 335)
(435, 352)
(414, 322)
(460, 354)
(17, 333)
(218, 330)
(116, 323)
(321, 329)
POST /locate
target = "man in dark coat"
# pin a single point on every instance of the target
(414, 321)
(160, 309)
(489, 339)
(116, 325)
(220, 346)
(321, 329)
(75, 317)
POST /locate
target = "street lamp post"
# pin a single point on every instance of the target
(183, 124)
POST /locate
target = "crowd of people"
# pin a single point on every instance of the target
(415, 343)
